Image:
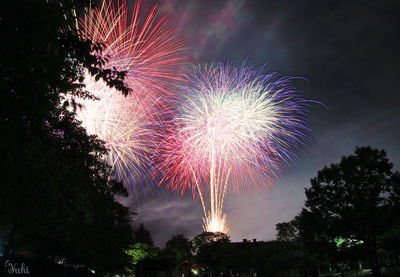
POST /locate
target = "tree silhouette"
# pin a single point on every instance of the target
(347, 207)
(57, 198)
(143, 235)
(210, 249)
(287, 231)
(180, 248)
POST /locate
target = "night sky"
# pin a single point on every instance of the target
(348, 52)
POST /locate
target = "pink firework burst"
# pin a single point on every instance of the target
(147, 49)
(232, 129)
(151, 54)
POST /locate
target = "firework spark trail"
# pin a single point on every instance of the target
(124, 127)
(151, 54)
(233, 126)
(149, 51)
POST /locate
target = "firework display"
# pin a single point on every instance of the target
(225, 129)
(147, 49)
(150, 53)
(232, 130)
(124, 126)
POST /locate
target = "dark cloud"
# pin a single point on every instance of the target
(166, 214)
(348, 52)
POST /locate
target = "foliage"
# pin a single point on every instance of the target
(56, 194)
(208, 238)
(143, 235)
(349, 202)
(287, 231)
(179, 249)
(210, 248)
(270, 258)
(140, 251)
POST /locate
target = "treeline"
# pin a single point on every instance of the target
(351, 216)
(214, 254)
(350, 222)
